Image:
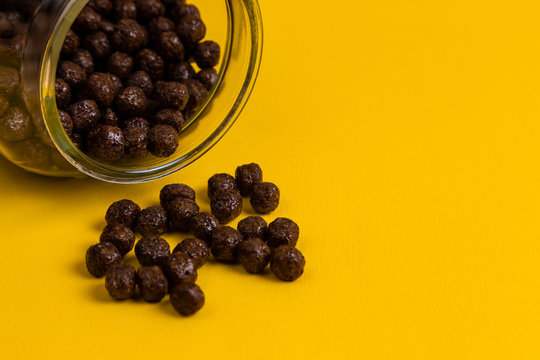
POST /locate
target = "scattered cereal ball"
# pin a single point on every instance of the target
(207, 54)
(195, 249)
(85, 60)
(264, 197)
(63, 93)
(125, 9)
(282, 231)
(171, 94)
(129, 36)
(179, 212)
(137, 122)
(149, 9)
(85, 114)
(174, 191)
(120, 236)
(136, 141)
(226, 205)
(181, 72)
(170, 46)
(150, 62)
(152, 221)
(141, 80)
(102, 7)
(158, 25)
(247, 176)
(152, 250)
(162, 140)
(170, 117)
(120, 64)
(197, 95)
(72, 74)
(15, 125)
(225, 241)
(100, 257)
(180, 269)
(187, 298)
(252, 227)
(203, 225)
(106, 142)
(287, 263)
(87, 21)
(71, 43)
(220, 181)
(98, 44)
(66, 122)
(131, 101)
(208, 77)
(120, 281)
(123, 212)
(254, 255)
(101, 88)
(152, 283)
(191, 30)
(110, 118)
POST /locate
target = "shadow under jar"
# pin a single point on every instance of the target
(32, 34)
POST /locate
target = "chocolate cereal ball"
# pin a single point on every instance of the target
(254, 255)
(100, 257)
(71, 43)
(123, 212)
(207, 54)
(174, 191)
(85, 60)
(181, 72)
(136, 142)
(247, 176)
(282, 231)
(171, 94)
(120, 64)
(197, 95)
(264, 197)
(85, 114)
(152, 250)
(179, 212)
(150, 62)
(98, 44)
(208, 77)
(71, 73)
(162, 140)
(131, 101)
(66, 122)
(187, 298)
(152, 283)
(120, 281)
(120, 236)
(220, 181)
(225, 241)
(15, 125)
(63, 93)
(141, 80)
(203, 225)
(152, 221)
(101, 88)
(110, 118)
(252, 227)
(191, 30)
(195, 249)
(106, 142)
(125, 9)
(226, 205)
(170, 46)
(129, 36)
(179, 269)
(170, 117)
(287, 263)
(87, 20)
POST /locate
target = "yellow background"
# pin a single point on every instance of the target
(405, 138)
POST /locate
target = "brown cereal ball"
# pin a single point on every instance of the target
(66, 122)
(158, 25)
(10, 80)
(171, 94)
(203, 225)
(208, 77)
(226, 205)
(247, 176)
(225, 241)
(170, 117)
(136, 140)
(98, 44)
(264, 197)
(162, 140)
(120, 236)
(71, 44)
(110, 118)
(102, 7)
(123, 212)
(131, 101)
(129, 36)
(62, 92)
(77, 140)
(220, 181)
(85, 114)
(72, 74)
(197, 95)
(15, 125)
(120, 281)
(170, 46)
(282, 231)
(207, 54)
(181, 72)
(152, 221)
(117, 85)
(125, 9)
(101, 88)
(4, 104)
(254, 255)
(179, 269)
(195, 249)
(137, 122)
(85, 60)
(152, 250)
(253, 227)
(87, 21)
(106, 142)
(150, 62)
(142, 80)
(287, 263)
(191, 30)
(187, 298)
(174, 191)
(120, 64)
(149, 9)
(152, 283)
(179, 212)
(100, 257)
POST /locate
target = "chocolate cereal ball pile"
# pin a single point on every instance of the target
(126, 79)
(254, 244)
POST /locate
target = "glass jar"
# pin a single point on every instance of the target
(32, 33)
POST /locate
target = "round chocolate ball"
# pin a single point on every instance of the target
(282, 231)
(225, 241)
(252, 227)
(207, 54)
(253, 255)
(123, 212)
(120, 281)
(174, 191)
(120, 236)
(129, 36)
(247, 176)
(187, 298)
(152, 221)
(287, 263)
(100, 257)
(106, 142)
(220, 181)
(264, 197)
(85, 115)
(152, 250)
(195, 249)
(131, 102)
(152, 283)
(162, 140)
(179, 268)
(203, 225)
(179, 212)
(226, 205)
(62, 92)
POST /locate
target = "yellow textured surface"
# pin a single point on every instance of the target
(405, 138)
